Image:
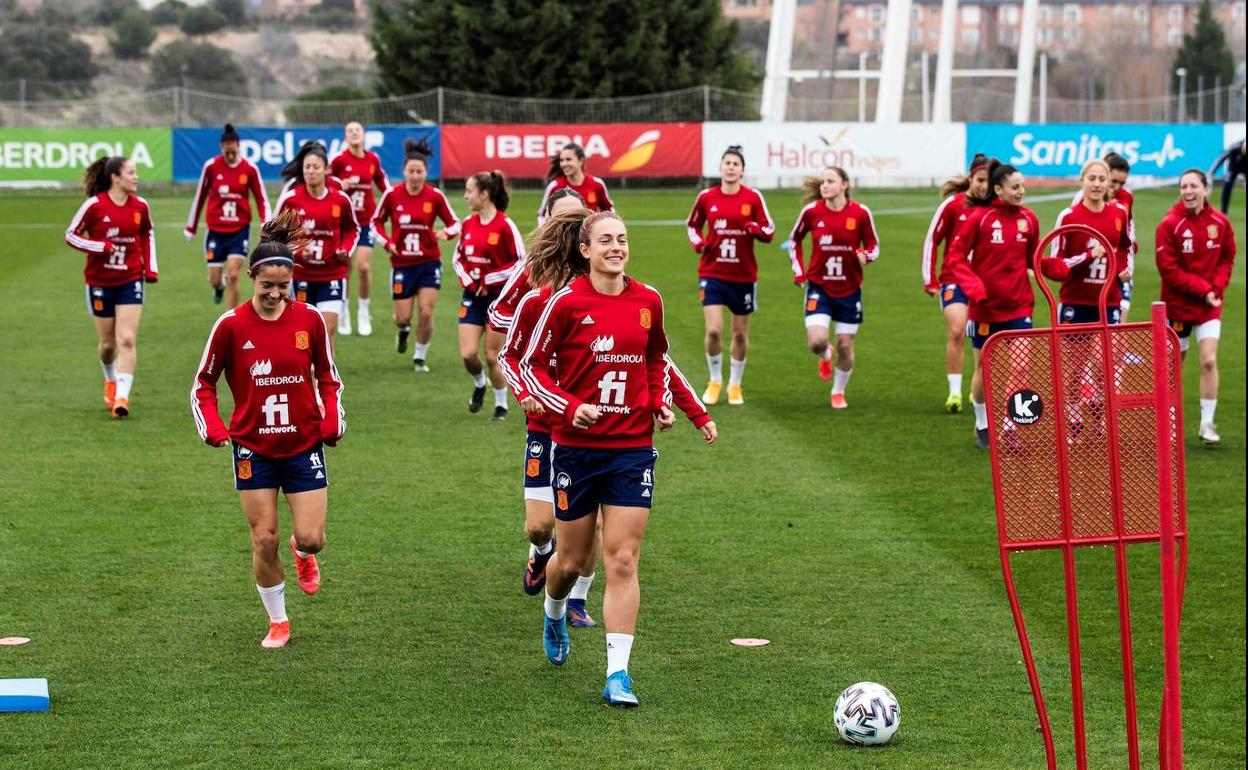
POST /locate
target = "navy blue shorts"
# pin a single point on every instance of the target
(979, 332)
(740, 298)
(365, 240)
(952, 294)
(587, 478)
(822, 309)
(405, 282)
(326, 296)
(218, 245)
(1087, 314)
(537, 466)
(473, 309)
(300, 473)
(1127, 288)
(102, 301)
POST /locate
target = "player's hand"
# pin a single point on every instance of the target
(530, 405)
(709, 432)
(149, 279)
(329, 433)
(392, 248)
(443, 235)
(754, 229)
(481, 291)
(698, 247)
(932, 291)
(665, 419)
(342, 256)
(1125, 275)
(1212, 300)
(1097, 251)
(862, 257)
(188, 233)
(799, 279)
(586, 415)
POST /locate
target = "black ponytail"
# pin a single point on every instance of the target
(99, 175)
(280, 238)
(495, 186)
(294, 169)
(229, 134)
(734, 149)
(998, 172)
(555, 171)
(416, 150)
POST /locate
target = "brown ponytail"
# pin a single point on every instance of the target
(554, 250)
(99, 175)
(280, 238)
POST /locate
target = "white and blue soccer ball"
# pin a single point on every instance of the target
(867, 714)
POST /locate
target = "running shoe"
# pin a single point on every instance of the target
(308, 570)
(500, 414)
(619, 691)
(711, 394)
(419, 365)
(278, 636)
(400, 341)
(578, 616)
(534, 578)
(837, 401)
(1208, 433)
(825, 369)
(218, 294)
(110, 393)
(478, 398)
(364, 324)
(953, 404)
(981, 438)
(121, 407)
(555, 639)
(734, 395)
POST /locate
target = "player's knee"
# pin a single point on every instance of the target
(539, 532)
(108, 349)
(740, 339)
(310, 542)
(621, 563)
(426, 316)
(125, 340)
(264, 542)
(1209, 363)
(818, 347)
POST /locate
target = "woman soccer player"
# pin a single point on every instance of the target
(613, 383)
(960, 194)
(1195, 256)
(226, 184)
(1119, 170)
(567, 170)
(1003, 236)
(114, 227)
(411, 209)
(321, 264)
(277, 358)
(360, 171)
(488, 251)
(734, 217)
(843, 241)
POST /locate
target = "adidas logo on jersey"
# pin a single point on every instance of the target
(714, 209)
(107, 219)
(262, 368)
(587, 320)
(248, 346)
(604, 344)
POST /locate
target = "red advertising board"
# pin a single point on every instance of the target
(523, 151)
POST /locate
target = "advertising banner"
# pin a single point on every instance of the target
(611, 149)
(1061, 149)
(62, 154)
(782, 153)
(270, 148)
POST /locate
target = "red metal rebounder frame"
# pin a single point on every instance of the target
(1086, 441)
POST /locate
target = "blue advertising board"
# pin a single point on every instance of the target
(270, 148)
(1061, 149)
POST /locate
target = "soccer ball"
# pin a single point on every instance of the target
(867, 714)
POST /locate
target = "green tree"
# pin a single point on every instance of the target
(202, 20)
(132, 35)
(557, 48)
(169, 13)
(199, 66)
(1204, 54)
(234, 11)
(51, 60)
(109, 12)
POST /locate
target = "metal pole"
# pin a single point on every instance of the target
(942, 107)
(862, 87)
(1217, 99)
(892, 85)
(1026, 61)
(924, 91)
(1182, 73)
(1044, 87)
(779, 61)
(441, 105)
(1200, 98)
(21, 98)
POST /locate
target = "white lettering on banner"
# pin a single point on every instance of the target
(50, 155)
(1071, 152)
(539, 146)
(276, 152)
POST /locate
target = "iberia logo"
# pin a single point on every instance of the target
(639, 153)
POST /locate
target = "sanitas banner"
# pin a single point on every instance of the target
(271, 148)
(1061, 149)
(62, 154)
(611, 149)
(783, 153)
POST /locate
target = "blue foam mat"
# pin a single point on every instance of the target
(23, 694)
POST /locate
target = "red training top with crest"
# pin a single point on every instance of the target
(609, 351)
(227, 191)
(270, 366)
(949, 216)
(1126, 199)
(1003, 238)
(359, 174)
(1070, 258)
(733, 222)
(119, 241)
(487, 253)
(411, 219)
(591, 189)
(836, 237)
(1195, 256)
(330, 223)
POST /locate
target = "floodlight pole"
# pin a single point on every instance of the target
(893, 63)
(779, 60)
(942, 109)
(1026, 61)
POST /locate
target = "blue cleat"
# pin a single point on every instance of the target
(534, 578)
(619, 691)
(555, 639)
(578, 616)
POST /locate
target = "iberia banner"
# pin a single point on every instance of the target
(62, 154)
(611, 149)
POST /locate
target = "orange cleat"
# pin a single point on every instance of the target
(308, 570)
(278, 636)
(825, 369)
(110, 393)
(838, 401)
(121, 407)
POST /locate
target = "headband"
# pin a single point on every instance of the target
(276, 259)
(977, 166)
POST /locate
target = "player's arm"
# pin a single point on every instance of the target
(448, 217)
(607, 204)
(1057, 266)
(957, 256)
(379, 176)
(461, 267)
(541, 206)
(73, 233)
(1226, 262)
(1168, 265)
(1213, 170)
(761, 227)
(328, 384)
(261, 196)
(204, 406)
(685, 397)
(349, 227)
(1126, 248)
(697, 218)
(508, 356)
(657, 378)
(381, 215)
(515, 248)
(197, 205)
(147, 242)
(548, 331)
(796, 259)
(868, 238)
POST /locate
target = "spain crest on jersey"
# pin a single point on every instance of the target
(592, 197)
(1023, 226)
(301, 340)
(1118, 224)
(1213, 231)
(645, 318)
(746, 209)
(242, 178)
(427, 208)
(851, 224)
(138, 218)
(336, 211)
(492, 239)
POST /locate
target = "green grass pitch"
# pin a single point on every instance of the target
(862, 543)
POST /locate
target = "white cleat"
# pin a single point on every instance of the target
(344, 323)
(1208, 433)
(364, 324)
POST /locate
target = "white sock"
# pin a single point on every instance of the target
(363, 307)
(406, 329)
(736, 370)
(581, 589)
(715, 364)
(274, 600)
(556, 608)
(500, 397)
(124, 383)
(826, 355)
(1207, 407)
(545, 549)
(619, 647)
(110, 371)
(478, 380)
(840, 379)
(420, 351)
(981, 415)
(301, 554)
(955, 384)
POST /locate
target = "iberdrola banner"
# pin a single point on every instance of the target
(62, 154)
